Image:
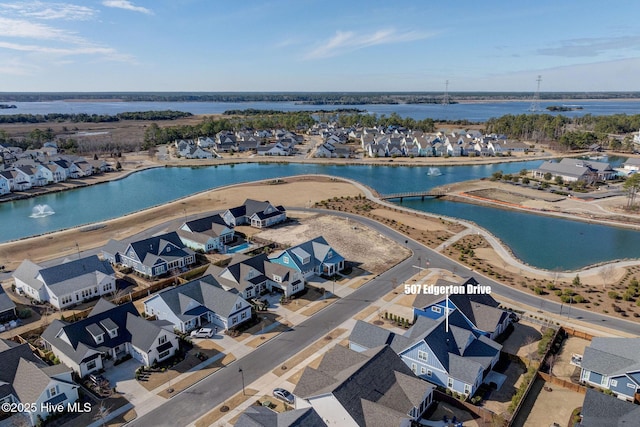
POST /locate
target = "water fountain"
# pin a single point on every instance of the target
(433, 172)
(40, 211)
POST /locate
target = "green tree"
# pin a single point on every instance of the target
(631, 186)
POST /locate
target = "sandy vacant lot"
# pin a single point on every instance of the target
(372, 251)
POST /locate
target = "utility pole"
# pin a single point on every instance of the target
(445, 98)
(535, 102)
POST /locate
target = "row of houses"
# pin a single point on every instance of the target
(28, 171)
(264, 142)
(397, 141)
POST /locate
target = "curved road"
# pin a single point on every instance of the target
(197, 400)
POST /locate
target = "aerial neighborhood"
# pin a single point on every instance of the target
(148, 315)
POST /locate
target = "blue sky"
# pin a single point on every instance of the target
(325, 45)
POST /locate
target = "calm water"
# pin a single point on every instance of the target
(539, 241)
(476, 112)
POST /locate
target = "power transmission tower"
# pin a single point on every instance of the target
(535, 102)
(445, 98)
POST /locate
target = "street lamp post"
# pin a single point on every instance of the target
(242, 375)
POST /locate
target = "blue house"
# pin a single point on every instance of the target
(458, 358)
(480, 311)
(613, 364)
(315, 256)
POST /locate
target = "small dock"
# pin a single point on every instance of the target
(434, 193)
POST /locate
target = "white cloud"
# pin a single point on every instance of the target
(26, 29)
(349, 41)
(49, 11)
(591, 47)
(127, 5)
(51, 41)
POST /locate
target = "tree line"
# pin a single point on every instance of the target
(93, 118)
(571, 133)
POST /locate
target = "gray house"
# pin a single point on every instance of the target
(255, 213)
(457, 358)
(206, 234)
(600, 410)
(201, 302)
(153, 256)
(7, 307)
(613, 364)
(373, 388)
(109, 333)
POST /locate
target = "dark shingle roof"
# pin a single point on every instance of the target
(6, 303)
(378, 377)
(140, 333)
(204, 291)
(611, 356)
(259, 416)
(600, 410)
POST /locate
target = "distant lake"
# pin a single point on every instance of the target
(474, 112)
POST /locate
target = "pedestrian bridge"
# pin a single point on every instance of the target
(422, 194)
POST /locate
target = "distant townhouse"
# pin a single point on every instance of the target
(201, 302)
(613, 364)
(32, 174)
(255, 213)
(108, 334)
(252, 276)
(25, 379)
(16, 180)
(373, 388)
(206, 234)
(152, 257)
(66, 284)
(5, 184)
(315, 256)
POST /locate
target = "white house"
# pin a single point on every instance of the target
(68, 283)
(27, 380)
(201, 302)
(206, 234)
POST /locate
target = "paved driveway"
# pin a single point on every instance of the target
(123, 377)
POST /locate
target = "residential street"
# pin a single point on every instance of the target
(212, 391)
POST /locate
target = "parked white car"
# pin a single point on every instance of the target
(202, 333)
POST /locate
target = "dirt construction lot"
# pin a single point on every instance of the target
(362, 246)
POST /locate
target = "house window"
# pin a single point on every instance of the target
(285, 259)
(429, 372)
(450, 382)
(414, 368)
(630, 385)
(91, 365)
(243, 315)
(53, 391)
(238, 305)
(162, 339)
(467, 389)
(436, 309)
(423, 370)
(163, 354)
(423, 355)
(614, 383)
(100, 338)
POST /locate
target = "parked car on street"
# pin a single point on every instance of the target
(284, 395)
(202, 333)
